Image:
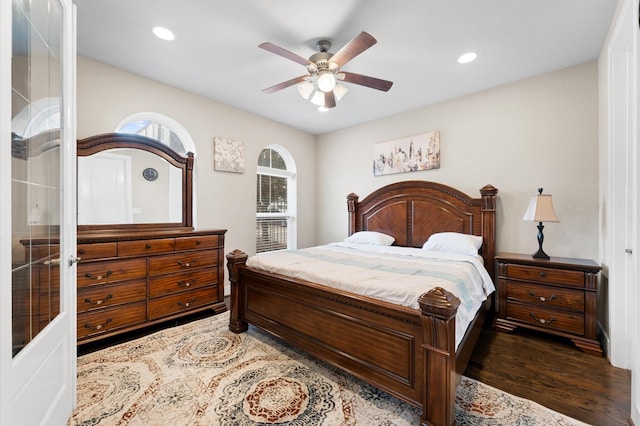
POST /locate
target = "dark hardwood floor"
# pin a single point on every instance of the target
(553, 372)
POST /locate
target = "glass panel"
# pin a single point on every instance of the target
(272, 159)
(272, 194)
(35, 167)
(271, 234)
(157, 131)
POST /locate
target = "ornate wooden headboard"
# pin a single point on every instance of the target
(411, 211)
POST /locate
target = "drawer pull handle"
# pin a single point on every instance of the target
(186, 264)
(99, 301)
(542, 320)
(99, 326)
(148, 246)
(198, 242)
(187, 304)
(187, 283)
(542, 298)
(543, 274)
(81, 251)
(98, 277)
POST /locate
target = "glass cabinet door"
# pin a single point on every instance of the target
(38, 212)
(35, 169)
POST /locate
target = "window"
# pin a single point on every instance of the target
(275, 201)
(158, 127)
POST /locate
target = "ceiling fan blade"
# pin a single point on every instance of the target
(270, 47)
(364, 80)
(285, 84)
(329, 99)
(359, 44)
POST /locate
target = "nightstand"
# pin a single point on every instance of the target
(556, 296)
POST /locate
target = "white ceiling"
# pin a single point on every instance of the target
(216, 55)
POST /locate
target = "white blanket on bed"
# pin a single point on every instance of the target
(395, 274)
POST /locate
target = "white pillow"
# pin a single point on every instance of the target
(454, 242)
(370, 237)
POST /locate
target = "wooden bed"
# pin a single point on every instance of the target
(409, 353)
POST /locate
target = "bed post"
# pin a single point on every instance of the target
(235, 260)
(439, 381)
(352, 200)
(488, 209)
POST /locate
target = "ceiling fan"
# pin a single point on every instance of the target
(322, 84)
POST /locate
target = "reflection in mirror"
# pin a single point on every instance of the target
(128, 186)
(131, 182)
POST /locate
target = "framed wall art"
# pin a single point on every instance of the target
(410, 154)
(228, 155)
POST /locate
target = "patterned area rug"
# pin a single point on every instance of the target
(202, 374)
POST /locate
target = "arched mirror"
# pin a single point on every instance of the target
(128, 181)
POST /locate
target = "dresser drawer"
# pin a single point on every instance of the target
(104, 320)
(546, 295)
(182, 302)
(197, 242)
(92, 273)
(143, 247)
(97, 250)
(159, 286)
(546, 318)
(546, 275)
(179, 262)
(95, 297)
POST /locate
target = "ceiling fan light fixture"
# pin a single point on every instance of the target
(318, 98)
(326, 81)
(306, 89)
(339, 91)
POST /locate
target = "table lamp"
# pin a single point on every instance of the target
(540, 210)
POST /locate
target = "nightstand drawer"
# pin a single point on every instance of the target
(546, 295)
(546, 275)
(546, 318)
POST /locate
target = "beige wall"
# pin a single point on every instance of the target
(539, 132)
(107, 95)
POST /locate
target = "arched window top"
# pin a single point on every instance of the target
(159, 127)
(275, 157)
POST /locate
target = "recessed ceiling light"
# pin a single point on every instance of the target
(163, 33)
(467, 57)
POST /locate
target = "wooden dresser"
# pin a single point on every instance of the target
(556, 296)
(130, 280)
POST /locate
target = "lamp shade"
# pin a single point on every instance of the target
(541, 209)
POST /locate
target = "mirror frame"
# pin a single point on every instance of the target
(106, 141)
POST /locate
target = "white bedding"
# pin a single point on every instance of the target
(395, 274)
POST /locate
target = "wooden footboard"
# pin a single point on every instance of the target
(406, 352)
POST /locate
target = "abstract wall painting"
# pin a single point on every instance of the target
(409, 154)
(228, 155)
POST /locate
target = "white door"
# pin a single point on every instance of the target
(624, 189)
(622, 183)
(37, 216)
(104, 192)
